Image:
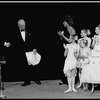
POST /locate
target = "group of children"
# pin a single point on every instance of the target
(82, 54)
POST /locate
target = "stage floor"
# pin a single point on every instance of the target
(48, 89)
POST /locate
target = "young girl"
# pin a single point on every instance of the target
(71, 50)
(83, 61)
(91, 73)
(84, 43)
(84, 36)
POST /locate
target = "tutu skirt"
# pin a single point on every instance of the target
(91, 71)
(69, 65)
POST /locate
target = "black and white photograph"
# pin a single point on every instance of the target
(49, 49)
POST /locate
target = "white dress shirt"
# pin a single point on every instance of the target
(23, 35)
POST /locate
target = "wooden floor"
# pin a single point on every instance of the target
(48, 89)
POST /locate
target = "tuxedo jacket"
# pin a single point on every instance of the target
(16, 52)
(18, 43)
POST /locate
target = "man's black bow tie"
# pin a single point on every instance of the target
(22, 30)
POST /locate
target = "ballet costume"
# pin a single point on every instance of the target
(84, 52)
(91, 72)
(70, 65)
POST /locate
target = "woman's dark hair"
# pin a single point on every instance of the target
(69, 20)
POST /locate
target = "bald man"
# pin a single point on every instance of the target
(21, 25)
(25, 37)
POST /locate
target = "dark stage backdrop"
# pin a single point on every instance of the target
(43, 21)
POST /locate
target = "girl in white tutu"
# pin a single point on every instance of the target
(91, 72)
(71, 50)
(84, 43)
(96, 42)
(68, 21)
(84, 36)
(83, 61)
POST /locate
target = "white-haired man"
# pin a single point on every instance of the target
(25, 36)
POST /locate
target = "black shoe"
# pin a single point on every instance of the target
(25, 84)
(38, 82)
(61, 83)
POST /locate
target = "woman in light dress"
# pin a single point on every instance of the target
(84, 53)
(91, 72)
(69, 70)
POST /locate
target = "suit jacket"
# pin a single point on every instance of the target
(16, 52)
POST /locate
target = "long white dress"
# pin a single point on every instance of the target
(91, 72)
(70, 61)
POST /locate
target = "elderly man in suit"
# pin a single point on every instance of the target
(25, 44)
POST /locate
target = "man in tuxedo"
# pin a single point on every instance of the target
(26, 48)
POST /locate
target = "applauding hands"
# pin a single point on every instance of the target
(7, 44)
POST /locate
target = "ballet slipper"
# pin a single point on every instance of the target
(92, 89)
(85, 88)
(69, 90)
(74, 90)
(93, 86)
(79, 86)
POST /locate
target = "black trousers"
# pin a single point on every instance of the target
(31, 73)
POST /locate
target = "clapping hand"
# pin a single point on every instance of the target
(61, 33)
(7, 44)
(34, 51)
(64, 45)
